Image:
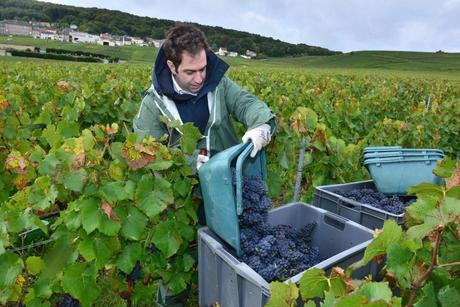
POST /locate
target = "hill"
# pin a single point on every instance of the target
(424, 65)
(96, 21)
(387, 60)
(369, 60)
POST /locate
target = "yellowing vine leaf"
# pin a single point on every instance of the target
(455, 179)
(3, 105)
(16, 163)
(339, 272)
(137, 156)
(109, 211)
(66, 86)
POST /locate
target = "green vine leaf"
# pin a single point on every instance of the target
(427, 297)
(447, 211)
(337, 286)
(153, 195)
(90, 214)
(57, 257)
(42, 288)
(116, 191)
(376, 291)
(133, 222)
(178, 281)
(129, 256)
(282, 295)
(427, 190)
(86, 249)
(400, 262)
(454, 192)
(43, 193)
(419, 209)
(185, 262)
(34, 264)
(391, 233)
(313, 283)
(10, 267)
(49, 164)
(190, 137)
(75, 180)
(445, 168)
(52, 136)
(79, 280)
(166, 238)
(449, 296)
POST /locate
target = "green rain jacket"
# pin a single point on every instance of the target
(227, 101)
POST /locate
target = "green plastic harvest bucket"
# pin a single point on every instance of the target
(223, 203)
(401, 150)
(380, 148)
(394, 175)
(404, 154)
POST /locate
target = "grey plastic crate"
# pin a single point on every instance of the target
(225, 280)
(366, 215)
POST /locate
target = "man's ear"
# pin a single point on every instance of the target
(171, 66)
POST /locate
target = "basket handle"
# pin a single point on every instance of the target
(239, 176)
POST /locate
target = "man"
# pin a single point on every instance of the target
(189, 85)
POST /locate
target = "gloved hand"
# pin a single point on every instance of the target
(200, 160)
(260, 137)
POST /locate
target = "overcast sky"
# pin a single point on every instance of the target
(342, 25)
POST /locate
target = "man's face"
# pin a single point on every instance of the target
(191, 73)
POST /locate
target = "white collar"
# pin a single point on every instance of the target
(178, 89)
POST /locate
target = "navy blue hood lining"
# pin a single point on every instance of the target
(161, 76)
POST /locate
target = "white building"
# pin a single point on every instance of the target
(122, 40)
(106, 42)
(222, 51)
(158, 42)
(82, 37)
(251, 54)
(49, 34)
(105, 39)
(138, 41)
(232, 53)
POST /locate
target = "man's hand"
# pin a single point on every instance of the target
(200, 160)
(260, 137)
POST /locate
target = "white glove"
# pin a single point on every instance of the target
(200, 160)
(260, 137)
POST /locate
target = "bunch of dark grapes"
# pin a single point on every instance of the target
(66, 300)
(274, 252)
(393, 204)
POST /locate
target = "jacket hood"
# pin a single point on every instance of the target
(161, 77)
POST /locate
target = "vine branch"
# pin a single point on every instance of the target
(434, 259)
(447, 264)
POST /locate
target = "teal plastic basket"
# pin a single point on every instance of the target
(394, 175)
(385, 149)
(222, 202)
(405, 154)
(380, 148)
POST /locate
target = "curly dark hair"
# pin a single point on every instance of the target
(183, 37)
